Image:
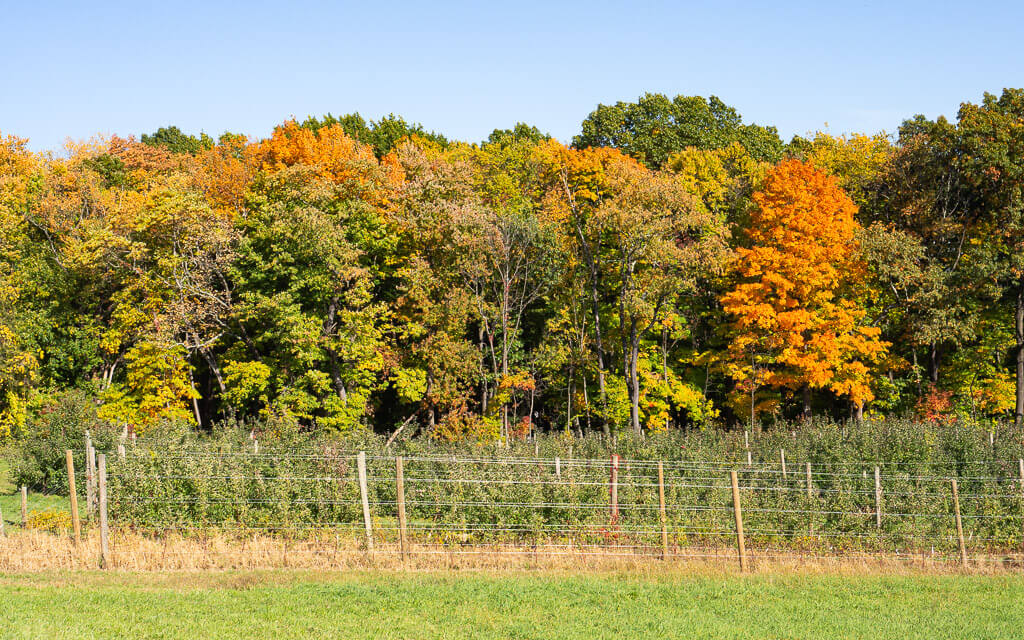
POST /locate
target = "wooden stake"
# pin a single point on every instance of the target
(24, 506)
(121, 453)
(104, 532)
(959, 525)
(661, 506)
(739, 521)
(90, 477)
(73, 494)
(614, 489)
(558, 468)
(878, 498)
(1020, 461)
(361, 462)
(782, 454)
(810, 485)
(400, 481)
(750, 462)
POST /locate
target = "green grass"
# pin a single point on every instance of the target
(283, 605)
(10, 498)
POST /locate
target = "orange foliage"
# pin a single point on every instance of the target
(935, 406)
(335, 156)
(790, 328)
(225, 173)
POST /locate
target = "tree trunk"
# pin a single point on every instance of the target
(664, 365)
(339, 384)
(631, 351)
(1018, 412)
(595, 302)
(807, 402)
(214, 367)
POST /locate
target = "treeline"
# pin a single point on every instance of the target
(674, 266)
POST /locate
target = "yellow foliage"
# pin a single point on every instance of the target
(52, 520)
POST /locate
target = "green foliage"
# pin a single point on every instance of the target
(382, 135)
(656, 126)
(173, 140)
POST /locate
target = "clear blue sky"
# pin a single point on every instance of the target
(464, 68)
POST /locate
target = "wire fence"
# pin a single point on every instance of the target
(467, 505)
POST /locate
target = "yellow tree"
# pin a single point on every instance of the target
(794, 325)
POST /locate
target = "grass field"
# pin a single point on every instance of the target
(10, 498)
(284, 605)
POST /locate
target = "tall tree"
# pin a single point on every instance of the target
(794, 324)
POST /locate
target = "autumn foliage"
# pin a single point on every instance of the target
(673, 268)
(795, 324)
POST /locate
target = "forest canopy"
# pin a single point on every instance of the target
(674, 267)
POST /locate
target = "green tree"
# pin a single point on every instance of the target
(655, 127)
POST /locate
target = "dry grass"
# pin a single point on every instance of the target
(41, 551)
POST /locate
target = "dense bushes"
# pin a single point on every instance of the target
(470, 492)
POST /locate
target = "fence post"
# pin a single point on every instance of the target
(24, 506)
(361, 463)
(739, 521)
(810, 484)
(121, 453)
(73, 494)
(661, 506)
(104, 532)
(878, 498)
(614, 489)
(558, 468)
(782, 454)
(90, 477)
(750, 462)
(400, 497)
(959, 525)
(1020, 461)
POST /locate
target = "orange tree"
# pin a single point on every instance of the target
(794, 325)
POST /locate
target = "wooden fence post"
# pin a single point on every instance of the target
(104, 532)
(782, 455)
(90, 477)
(959, 525)
(810, 484)
(73, 494)
(661, 506)
(558, 468)
(24, 506)
(739, 521)
(121, 452)
(361, 462)
(614, 489)
(750, 462)
(400, 495)
(878, 498)
(1020, 461)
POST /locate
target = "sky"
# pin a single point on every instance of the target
(76, 69)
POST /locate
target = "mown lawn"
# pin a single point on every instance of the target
(282, 605)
